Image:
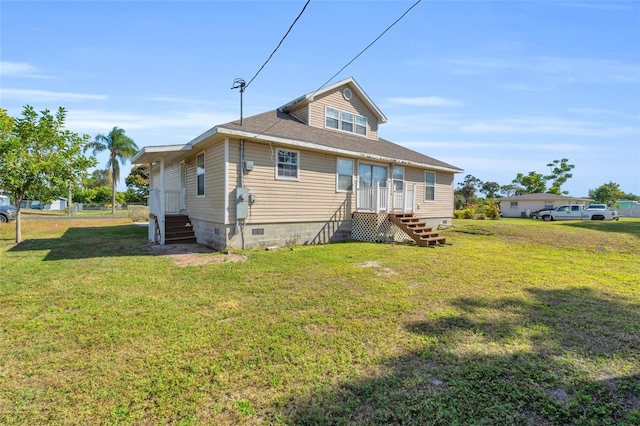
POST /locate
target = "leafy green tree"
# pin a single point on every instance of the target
(608, 193)
(531, 183)
(508, 190)
(468, 188)
(560, 173)
(490, 189)
(121, 148)
(138, 183)
(458, 201)
(38, 156)
(98, 178)
(630, 196)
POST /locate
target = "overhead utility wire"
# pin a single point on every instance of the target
(274, 50)
(366, 48)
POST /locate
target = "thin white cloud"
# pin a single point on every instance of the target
(524, 88)
(548, 125)
(600, 5)
(466, 146)
(425, 101)
(19, 69)
(90, 121)
(28, 95)
(170, 99)
(593, 111)
(572, 70)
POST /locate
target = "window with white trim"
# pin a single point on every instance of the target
(344, 175)
(200, 175)
(331, 118)
(398, 178)
(429, 186)
(345, 121)
(514, 204)
(287, 165)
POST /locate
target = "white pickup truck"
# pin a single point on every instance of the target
(578, 212)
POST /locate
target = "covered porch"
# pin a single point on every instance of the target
(401, 197)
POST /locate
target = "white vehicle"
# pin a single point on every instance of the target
(578, 212)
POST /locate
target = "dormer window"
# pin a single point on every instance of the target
(345, 121)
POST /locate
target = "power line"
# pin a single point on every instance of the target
(274, 50)
(370, 44)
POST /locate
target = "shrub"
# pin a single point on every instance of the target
(490, 209)
(463, 214)
(487, 210)
(138, 213)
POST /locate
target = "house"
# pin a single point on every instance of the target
(312, 171)
(59, 204)
(524, 205)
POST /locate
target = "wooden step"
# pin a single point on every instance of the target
(415, 228)
(178, 230)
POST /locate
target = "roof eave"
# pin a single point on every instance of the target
(316, 147)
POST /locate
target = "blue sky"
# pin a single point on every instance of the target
(493, 87)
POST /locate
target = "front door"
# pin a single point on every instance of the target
(370, 176)
(372, 188)
(398, 188)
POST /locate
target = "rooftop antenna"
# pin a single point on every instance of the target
(239, 83)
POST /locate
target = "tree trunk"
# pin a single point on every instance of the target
(69, 203)
(18, 224)
(113, 194)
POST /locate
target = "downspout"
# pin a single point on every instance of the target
(241, 185)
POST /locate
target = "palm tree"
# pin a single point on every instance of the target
(121, 148)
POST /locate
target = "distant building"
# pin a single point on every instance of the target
(524, 205)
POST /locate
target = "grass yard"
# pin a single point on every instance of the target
(517, 322)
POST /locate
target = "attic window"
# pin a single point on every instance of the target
(347, 93)
(345, 121)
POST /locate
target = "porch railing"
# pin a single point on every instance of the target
(172, 201)
(376, 199)
(372, 198)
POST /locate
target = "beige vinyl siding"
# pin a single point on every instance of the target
(443, 204)
(312, 198)
(302, 114)
(211, 206)
(334, 99)
(172, 177)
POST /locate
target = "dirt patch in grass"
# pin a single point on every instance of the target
(194, 254)
(383, 270)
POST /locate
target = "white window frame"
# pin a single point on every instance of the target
(336, 118)
(338, 174)
(429, 185)
(204, 174)
(513, 205)
(277, 170)
(358, 123)
(394, 180)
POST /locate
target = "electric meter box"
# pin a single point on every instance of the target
(242, 203)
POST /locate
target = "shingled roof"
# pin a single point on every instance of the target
(287, 128)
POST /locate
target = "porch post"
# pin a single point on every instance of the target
(413, 199)
(390, 195)
(161, 202)
(150, 203)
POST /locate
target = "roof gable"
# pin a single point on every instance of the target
(347, 83)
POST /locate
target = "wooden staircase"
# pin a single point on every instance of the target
(178, 229)
(422, 234)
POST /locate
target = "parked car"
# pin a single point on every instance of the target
(7, 211)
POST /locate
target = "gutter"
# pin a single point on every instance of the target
(309, 145)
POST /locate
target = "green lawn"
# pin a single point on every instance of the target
(517, 322)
